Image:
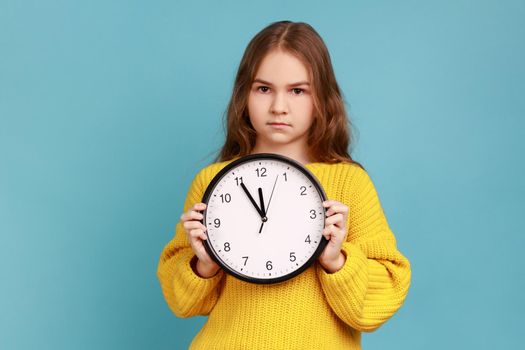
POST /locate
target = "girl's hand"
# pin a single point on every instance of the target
(332, 259)
(195, 232)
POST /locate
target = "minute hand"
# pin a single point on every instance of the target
(261, 213)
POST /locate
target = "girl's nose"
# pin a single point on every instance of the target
(279, 105)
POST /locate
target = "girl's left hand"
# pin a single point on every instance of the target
(332, 259)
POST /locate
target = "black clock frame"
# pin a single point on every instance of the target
(207, 194)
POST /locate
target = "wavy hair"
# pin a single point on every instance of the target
(329, 135)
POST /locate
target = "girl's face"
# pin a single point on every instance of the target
(280, 103)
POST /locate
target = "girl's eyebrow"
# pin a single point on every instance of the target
(257, 80)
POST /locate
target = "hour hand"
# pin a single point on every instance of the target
(263, 210)
(261, 213)
(261, 200)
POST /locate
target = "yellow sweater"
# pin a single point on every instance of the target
(315, 310)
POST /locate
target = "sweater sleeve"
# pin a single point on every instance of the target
(186, 293)
(374, 281)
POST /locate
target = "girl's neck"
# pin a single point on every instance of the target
(298, 154)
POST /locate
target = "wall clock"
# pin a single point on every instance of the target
(265, 218)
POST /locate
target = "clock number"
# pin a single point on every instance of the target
(261, 172)
(285, 177)
(292, 257)
(227, 246)
(303, 191)
(245, 260)
(307, 240)
(313, 214)
(217, 223)
(238, 180)
(269, 265)
(226, 198)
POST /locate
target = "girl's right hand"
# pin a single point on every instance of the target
(195, 232)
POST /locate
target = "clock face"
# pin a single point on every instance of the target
(265, 218)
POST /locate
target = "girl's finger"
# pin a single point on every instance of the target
(337, 208)
(334, 219)
(189, 225)
(334, 231)
(329, 202)
(199, 206)
(198, 233)
(196, 215)
(327, 233)
(191, 215)
(328, 230)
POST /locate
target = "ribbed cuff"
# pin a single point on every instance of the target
(193, 287)
(350, 280)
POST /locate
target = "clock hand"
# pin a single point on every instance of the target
(262, 201)
(262, 207)
(261, 213)
(271, 195)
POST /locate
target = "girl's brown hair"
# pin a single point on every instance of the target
(329, 135)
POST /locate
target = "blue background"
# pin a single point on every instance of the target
(109, 108)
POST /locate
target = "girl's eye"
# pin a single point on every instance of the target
(297, 91)
(263, 88)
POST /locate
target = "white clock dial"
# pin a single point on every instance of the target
(273, 237)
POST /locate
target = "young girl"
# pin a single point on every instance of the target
(286, 101)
